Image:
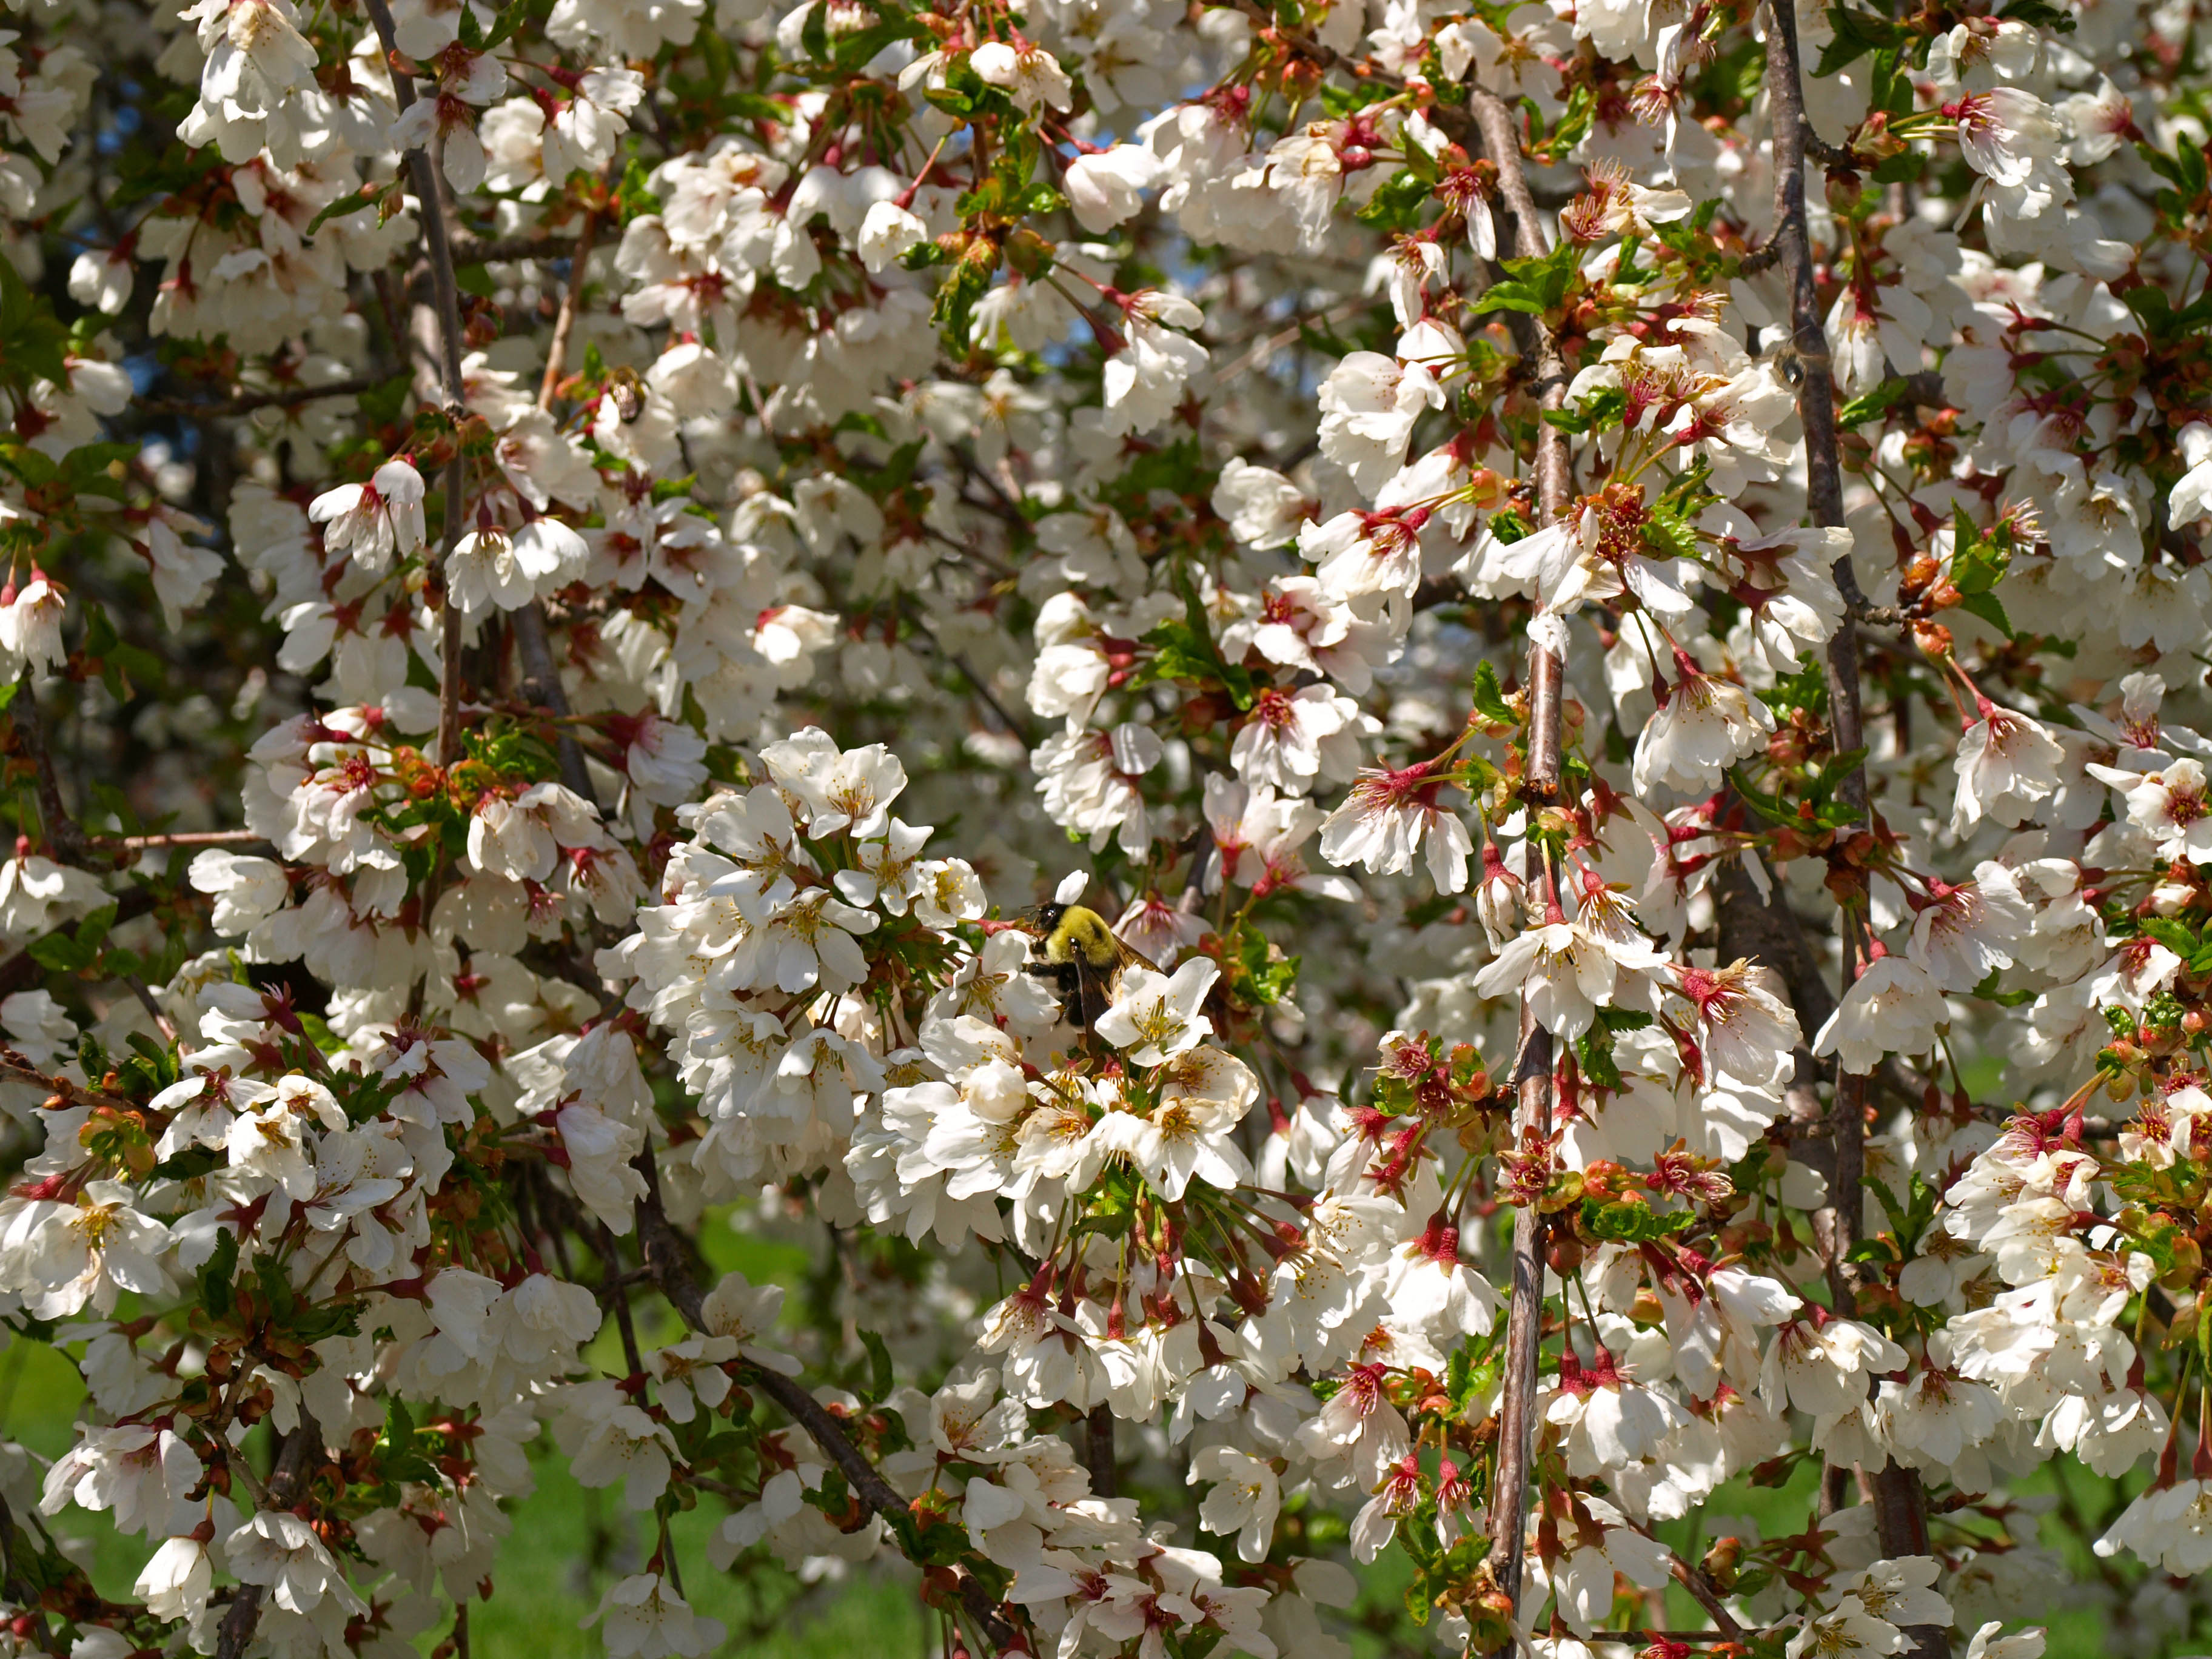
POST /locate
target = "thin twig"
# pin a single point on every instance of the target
(500, 250)
(69, 839)
(177, 838)
(18, 1067)
(163, 1023)
(541, 683)
(541, 686)
(612, 1257)
(564, 323)
(1262, 349)
(244, 403)
(1816, 408)
(1015, 728)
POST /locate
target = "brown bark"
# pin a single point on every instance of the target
(1900, 1506)
(445, 297)
(286, 1482)
(1535, 1075)
(668, 1259)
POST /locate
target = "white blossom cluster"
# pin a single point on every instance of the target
(1551, 651)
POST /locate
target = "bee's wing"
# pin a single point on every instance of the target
(1094, 991)
(1127, 956)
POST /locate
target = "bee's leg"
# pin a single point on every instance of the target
(1096, 1002)
(1067, 984)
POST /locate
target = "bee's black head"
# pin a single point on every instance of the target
(1045, 917)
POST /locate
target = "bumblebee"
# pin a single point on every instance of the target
(1080, 957)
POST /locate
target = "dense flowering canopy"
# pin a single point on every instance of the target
(1609, 596)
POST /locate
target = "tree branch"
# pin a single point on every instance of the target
(1816, 409)
(1900, 1516)
(18, 1067)
(564, 322)
(285, 1482)
(63, 832)
(23, 970)
(244, 402)
(19, 1588)
(669, 1260)
(541, 683)
(1099, 1450)
(446, 295)
(1535, 1078)
(1694, 1580)
(178, 838)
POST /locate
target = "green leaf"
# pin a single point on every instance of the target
(1670, 534)
(275, 1288)
(1418, 1598)
(508, 22)
(637, 196)
(1490, 698)
(969, 282)
(315, 1324)
(1177, 655)
(1987, 990)
(896, 473)
(814, 33)
(2176, 936)
(1398, 204)
(1857, 33)
(1869, 405)
(1271, 980)
(1579, 117)
(881, 1377)
(1511, 296)
(70, 953)
(380, 405)
(217, 1276)
(191, 1164)
(1341, 102)
(31, 339)
(1593, 1050)
(1601, 408)
(1186, 651)
(396, 1456)
(1631, 1223)
(1535, 286)
(1979, 563)
(1985, 607)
